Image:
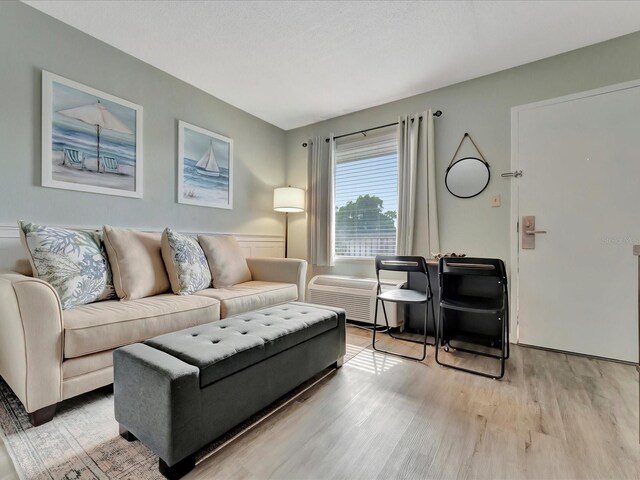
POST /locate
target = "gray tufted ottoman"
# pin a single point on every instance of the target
(180, 391)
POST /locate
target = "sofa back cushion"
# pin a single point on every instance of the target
(226, 261)
(74, 262)
(185, 262)
(23, 266)
(136, 262)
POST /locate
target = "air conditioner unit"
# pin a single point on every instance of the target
(355, 295)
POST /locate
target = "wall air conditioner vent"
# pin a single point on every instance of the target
(357, 296)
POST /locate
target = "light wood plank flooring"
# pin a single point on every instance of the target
(553, 416)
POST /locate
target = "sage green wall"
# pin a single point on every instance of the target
(30, 42)
(481, 107)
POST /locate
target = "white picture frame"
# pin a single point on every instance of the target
(205, 170)
(112, 164)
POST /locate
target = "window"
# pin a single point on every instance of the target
(366, 197)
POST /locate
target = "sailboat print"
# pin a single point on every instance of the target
(207, 165)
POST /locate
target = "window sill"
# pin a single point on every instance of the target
(355, 259)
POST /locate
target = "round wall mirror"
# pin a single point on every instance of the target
(467, 177)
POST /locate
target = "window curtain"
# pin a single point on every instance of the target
(417, 210)
(321, 234)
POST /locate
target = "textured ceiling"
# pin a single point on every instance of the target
(293, 63)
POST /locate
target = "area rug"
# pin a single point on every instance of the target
(82, 441)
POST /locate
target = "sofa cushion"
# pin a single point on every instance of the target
(222, 348)
(136, 262)
(185, 262)
(76, 367)
(72, 261)
(226, 260)
(104, 325)
(252, 295)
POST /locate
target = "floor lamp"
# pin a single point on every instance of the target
(288, 200)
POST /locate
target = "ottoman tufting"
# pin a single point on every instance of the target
(180, 391)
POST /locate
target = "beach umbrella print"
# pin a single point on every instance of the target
(99, 116)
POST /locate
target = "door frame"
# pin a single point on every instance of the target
(514, 241)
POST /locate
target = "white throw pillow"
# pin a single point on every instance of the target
(72, 261)
(186, 263)
(226, 261)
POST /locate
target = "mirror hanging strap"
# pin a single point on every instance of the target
(467, 135)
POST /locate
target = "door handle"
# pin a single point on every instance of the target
(529, 232)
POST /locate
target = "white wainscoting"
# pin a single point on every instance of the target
(11, 249)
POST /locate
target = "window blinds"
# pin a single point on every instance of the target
(366, 197)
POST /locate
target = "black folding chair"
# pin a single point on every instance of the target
(476, 286)
(401, 295)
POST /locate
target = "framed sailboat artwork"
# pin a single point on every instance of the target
(205, 167)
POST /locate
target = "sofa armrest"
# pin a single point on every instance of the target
(285, 270)
(31, 341)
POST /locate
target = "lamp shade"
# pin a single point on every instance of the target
(288, 199)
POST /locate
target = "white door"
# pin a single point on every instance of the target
(580, 157)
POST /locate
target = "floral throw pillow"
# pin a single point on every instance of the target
(72, 261)
(186, 263)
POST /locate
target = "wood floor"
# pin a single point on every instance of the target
(553, 416)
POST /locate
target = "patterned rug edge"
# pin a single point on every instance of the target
(12, 456)
(85, 460)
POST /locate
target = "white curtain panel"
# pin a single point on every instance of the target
(321, 234)
(417, 179)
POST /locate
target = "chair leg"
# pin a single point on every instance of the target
(386, 320)
(384, 312)
(508, 327)
(505, 338)
(435, 325)
(425, 330)
(426, 321)
(375, 325)
(439, 331)
(502, 357)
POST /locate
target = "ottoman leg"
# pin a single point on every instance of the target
(178, 470)
(127, 435)
(338, 363)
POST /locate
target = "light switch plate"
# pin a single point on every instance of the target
(496, 200)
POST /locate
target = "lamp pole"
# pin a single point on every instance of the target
(286, 200)
(286, 234)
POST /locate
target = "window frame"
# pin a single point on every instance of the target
(359, 150)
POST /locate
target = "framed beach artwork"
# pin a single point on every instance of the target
(91, 141)
(205, 167)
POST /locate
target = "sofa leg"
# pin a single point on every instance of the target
(43, 415)
(178, 470)
(127, 435)
(107, 388)
(338, 363)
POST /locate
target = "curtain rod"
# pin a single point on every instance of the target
(437, 113)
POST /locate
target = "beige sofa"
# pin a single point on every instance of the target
(48, 355)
